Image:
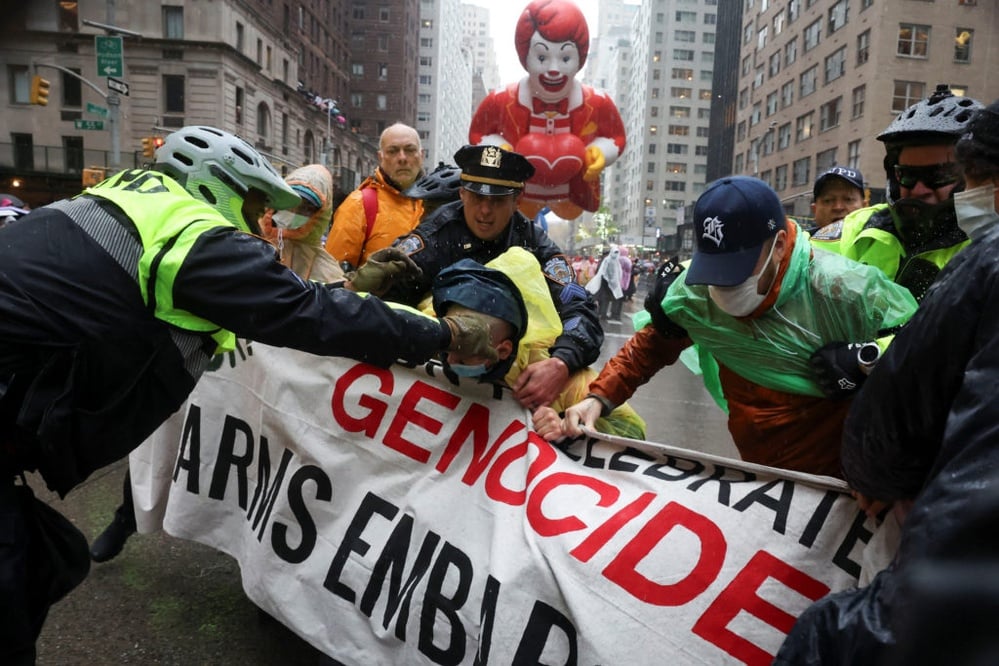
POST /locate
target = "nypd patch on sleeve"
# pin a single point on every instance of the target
(557, 268)
(410, 244)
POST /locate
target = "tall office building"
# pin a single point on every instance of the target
(445, 80)
(818, 80)
(666, 109)
(478, 38)
(384, 45)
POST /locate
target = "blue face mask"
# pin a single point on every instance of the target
(469, 370)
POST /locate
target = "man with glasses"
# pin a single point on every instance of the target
(482, 225)
(914, 235)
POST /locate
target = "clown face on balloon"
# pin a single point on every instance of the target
(569, 131)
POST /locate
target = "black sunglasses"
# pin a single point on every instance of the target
(932, 176)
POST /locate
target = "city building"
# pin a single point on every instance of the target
(239, 65)
(445, 81)
(819, 80)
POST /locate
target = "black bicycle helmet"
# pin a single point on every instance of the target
(942, 114)
(442, 184)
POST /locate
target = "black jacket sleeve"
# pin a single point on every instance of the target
(582, 336)
(234, 280)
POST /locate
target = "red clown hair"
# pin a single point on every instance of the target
(556, 21)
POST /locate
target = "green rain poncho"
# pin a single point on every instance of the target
(823, 298)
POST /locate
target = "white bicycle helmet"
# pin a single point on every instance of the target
(219, 168)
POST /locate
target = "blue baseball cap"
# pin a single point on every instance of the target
(733, 219)
(850, 176)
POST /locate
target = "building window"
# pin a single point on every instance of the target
(913, 40)
(825, 160)
(853, 154)
(678, 130)
(774, 64)
(807, 81)
(383, 42)
(73, 148)
(263, 122)
(381, 102)
(679, 111)
(704, 94)
(240, 36)
(686, 17)
(772, 103)
(688, 36)
(682, 74)
(857, 101)
(787, 94)
(681, 93)
(780, 178)
(801, 172)
(803, 126)
(790, 52)
(863, 47)
(383, 71)
(813, 34)
(240, 105)
(676, 167)
(755, 116)
(173, 93)
(383, 14)
(24, 151)
(357, 69)
(784, 136)
(652, 149)
(356, 100)
(905, 94)
(838, 15)
(72, 93)
(740, 131)
(761, 38)
(829, 114)
(173, 22)
(778, 22)
(962, 44)
(676, 148)
(793, 10)
(835, 65)
(683, 54)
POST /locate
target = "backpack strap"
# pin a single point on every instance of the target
(369, 196)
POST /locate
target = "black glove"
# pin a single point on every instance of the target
(841, 367)
(665, 275)
(470, 336)
(381, 269)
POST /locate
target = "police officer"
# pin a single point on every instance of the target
(913, 236)
(111, 306)
(480, 226)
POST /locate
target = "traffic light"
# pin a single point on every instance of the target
(150, 144)
(39, 91)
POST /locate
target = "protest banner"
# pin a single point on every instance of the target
(388, 516)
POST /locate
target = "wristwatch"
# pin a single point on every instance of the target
(867, 356)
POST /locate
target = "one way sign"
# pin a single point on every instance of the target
(118, 86)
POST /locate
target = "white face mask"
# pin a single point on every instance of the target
(975, 208)
(286, 219)
(743, 298)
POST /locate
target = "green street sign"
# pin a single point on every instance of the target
(88, 124)
(98, 110)
(110, 57)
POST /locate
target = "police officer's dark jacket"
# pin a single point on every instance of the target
(106, 322)
(443, 238)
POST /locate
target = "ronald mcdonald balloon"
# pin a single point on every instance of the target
(569, 131)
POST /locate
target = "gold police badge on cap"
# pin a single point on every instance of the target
(491, 157)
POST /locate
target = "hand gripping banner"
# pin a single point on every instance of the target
(389, 517)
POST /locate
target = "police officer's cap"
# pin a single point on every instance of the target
(491, 171)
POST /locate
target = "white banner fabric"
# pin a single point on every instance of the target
(389, 517)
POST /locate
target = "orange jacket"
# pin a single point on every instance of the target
(768, 427)
(397, 215)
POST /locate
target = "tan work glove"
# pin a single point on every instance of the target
(470, 337)
(381, 270)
